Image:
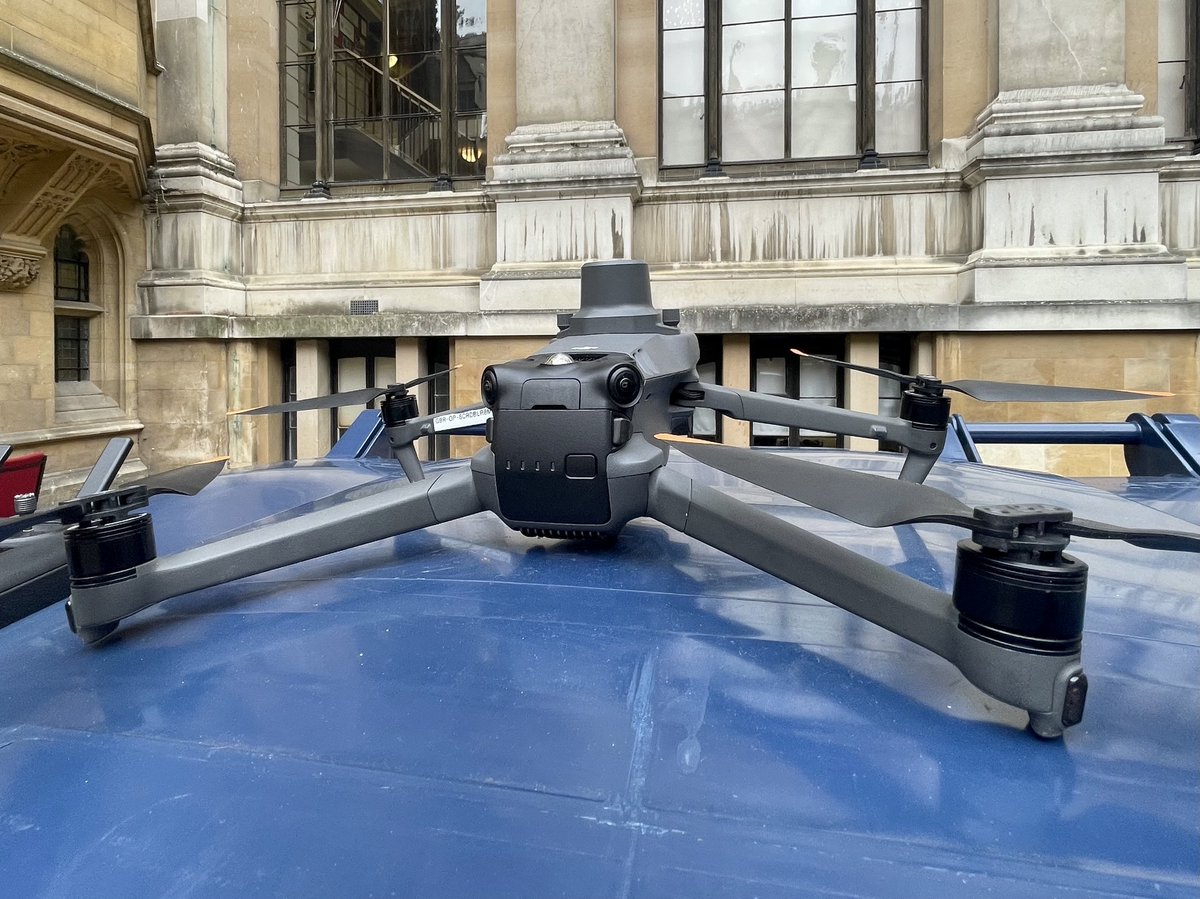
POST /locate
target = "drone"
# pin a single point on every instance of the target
(578, 437)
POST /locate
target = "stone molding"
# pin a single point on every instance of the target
(20, 264)
(18, 272)
(564, 151)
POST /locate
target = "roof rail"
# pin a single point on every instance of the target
(1161, 444)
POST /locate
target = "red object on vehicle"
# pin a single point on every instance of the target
(20, 474)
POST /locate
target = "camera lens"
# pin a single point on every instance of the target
(488, 386)
(625, 385)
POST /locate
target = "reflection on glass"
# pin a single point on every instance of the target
(881, 5)
(298, 32)
(899, 118)
(472, 18)
(414, 147)
(470, 72)
(298, 94)
(750, 10)
(770, 377)
(358, 152)
(704, 421)
(415, 25)
(753, 57)
(299, 155)
(470, 151)
(1172, 31)
(1172, 98)
(683, 62)
(898, 46)
(824, 122)
(824, 51)
(683, 131)
(752, 126)
(418, 76)
(822, 7)
(357, 87)
(682, 13)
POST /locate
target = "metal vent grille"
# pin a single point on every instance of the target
(364, 307)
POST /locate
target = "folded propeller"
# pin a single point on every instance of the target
(348, 398)
(996, 391)
(187, 481)
(877, 502)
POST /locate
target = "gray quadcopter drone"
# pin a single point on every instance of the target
(578, 438)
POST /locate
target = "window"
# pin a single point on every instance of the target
(387, 90)
(1178, 95)
(778, 80)
(71, 326)
(357, 364)
(706, 423)
(775, 370)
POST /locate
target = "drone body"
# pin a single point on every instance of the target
(579, 438)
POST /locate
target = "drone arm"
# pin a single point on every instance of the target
(95, 610)
(1047, 686)
(898, 603)
(747, 405)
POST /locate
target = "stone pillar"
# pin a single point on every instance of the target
(1063, 167)
(192, 90)
(735, 372)
(566, 183)
(312, 379)
(862, 390)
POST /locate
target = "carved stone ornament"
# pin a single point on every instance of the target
(18, 272)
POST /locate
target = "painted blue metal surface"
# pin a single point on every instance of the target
(468, 712)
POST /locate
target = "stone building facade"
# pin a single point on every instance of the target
(279, 198)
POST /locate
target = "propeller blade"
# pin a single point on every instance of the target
(1176, 541)
(866, 369)
(187, 481)
(1004, 392)
(877, 502)
(335, 400)
(424, 378)
(865, 499)
(5, 449)
(330, 401)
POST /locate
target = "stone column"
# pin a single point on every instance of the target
(312, 379)
(862, 390)
(1063, 166)
(565, 185)
(735, 372)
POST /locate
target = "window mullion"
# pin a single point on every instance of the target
(323, 96)
(1191, 124)
(866, 75)
(787, 79)
(712, 84)
(449, 42)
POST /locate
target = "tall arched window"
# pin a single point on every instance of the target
(383, 90)
(72, 288)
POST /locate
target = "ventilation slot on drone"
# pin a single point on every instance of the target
(364, 307)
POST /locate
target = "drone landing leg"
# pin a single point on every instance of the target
(99, 600)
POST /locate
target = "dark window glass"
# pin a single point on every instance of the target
(71, 361)
(404, 96)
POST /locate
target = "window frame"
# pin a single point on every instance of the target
(73, 304)
(325, 123)
(865, 155)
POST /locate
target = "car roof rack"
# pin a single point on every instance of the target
(1155, 445)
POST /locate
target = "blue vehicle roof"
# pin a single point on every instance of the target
(465, 711)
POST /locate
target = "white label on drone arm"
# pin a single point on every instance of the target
(461, 419)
